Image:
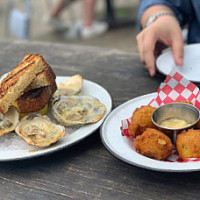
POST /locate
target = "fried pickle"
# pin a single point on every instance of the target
(140, 120)
(153, 144)
(188, 144)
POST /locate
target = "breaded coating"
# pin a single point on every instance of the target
(140, 120)
(153, 144)
(184, 101)
(188, 144)
(197, 125)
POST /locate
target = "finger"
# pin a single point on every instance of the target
(178, 50)
(140, 48)
(149, 57)
(159, 47)
(150, 63)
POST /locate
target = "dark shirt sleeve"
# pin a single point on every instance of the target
(144, 4)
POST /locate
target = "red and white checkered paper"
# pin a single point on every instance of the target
(174, 88)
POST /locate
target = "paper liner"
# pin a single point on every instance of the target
(174, 88)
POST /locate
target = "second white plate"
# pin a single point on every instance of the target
(122, 148)
(191, 69)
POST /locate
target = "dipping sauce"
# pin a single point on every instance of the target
(174, 123)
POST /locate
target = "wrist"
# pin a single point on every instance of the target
(154, 17)
(153, 10)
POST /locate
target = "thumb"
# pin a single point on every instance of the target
(178, 50)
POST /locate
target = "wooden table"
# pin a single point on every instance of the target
(87, 170)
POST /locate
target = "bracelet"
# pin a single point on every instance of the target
(153, 17)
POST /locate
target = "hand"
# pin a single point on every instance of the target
(166, 31)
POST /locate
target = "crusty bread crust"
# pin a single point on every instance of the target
(35, 100)
(44, 78)
(19, 79)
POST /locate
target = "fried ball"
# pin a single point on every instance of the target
(188, 144)
(184, 101)
(153, 144)
(197, 125)
(140, 120)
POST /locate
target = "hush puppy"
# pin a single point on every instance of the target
(184, 101)
(188, 144)
(140, 120)
(197, 125)
(153, 144)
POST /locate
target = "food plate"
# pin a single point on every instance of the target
(12, 147)
(122, 148)
(191, 70)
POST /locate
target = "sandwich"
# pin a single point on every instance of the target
(28, 88)
(15, 83)
(38, 94)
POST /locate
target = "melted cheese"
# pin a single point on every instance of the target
(43, 111)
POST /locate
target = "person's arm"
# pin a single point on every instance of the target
(160, 4)
(165, 29)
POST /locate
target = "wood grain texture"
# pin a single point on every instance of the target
(87, 170)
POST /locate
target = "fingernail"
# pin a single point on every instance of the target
(151, 71)
(180, 61)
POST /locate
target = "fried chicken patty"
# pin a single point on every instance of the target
(188, 144)
(153, 144)
(140, 120)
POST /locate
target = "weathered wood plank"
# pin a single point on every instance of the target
(87, 170)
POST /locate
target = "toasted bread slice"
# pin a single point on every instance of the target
(26, 57)
(44, 78)
(35, 100)
(19, 79)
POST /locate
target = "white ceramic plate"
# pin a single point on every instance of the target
(123, 148)
(17, 149)
(191, 69)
